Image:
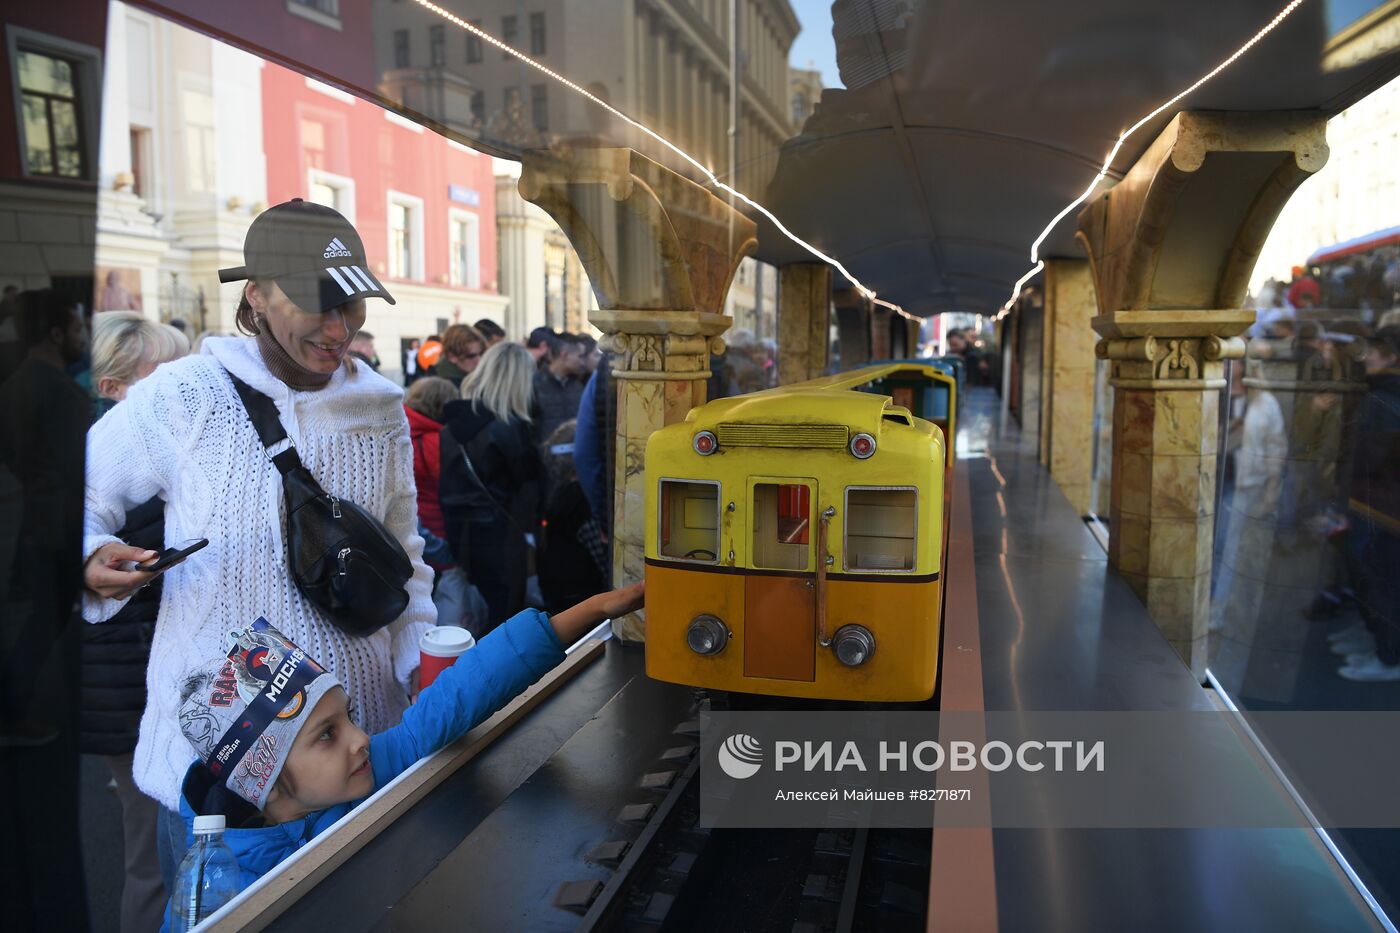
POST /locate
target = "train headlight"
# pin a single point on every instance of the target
(853, 645)
(705, 443)
(706, 635)
(862, 446)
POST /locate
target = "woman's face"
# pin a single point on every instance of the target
(316, 340)
(471, 358)
(109, 388)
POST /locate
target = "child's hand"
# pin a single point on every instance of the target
(576, 621)
(620, 602)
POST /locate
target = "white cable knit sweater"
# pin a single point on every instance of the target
(184, 435)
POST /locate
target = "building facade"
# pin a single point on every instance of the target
(1356, 193)
(178, 187)
(805, 91)
(540, 273)
(664, 62)
(424, 206)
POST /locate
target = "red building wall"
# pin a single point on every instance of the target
(304, 129)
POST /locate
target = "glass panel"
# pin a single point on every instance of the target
(39, 151)
(782, 524)
(1305, 601)
(45, 74)
(880, 525)
(689, 520)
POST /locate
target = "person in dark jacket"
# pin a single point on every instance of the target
(1373, 511)
(594, 440)
(559, 386)
(126, 348)
(573, 558)
(490, 479)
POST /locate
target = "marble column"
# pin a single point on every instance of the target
(881, 320)
(661, 253)
(804, 319)
(1067, 403)
(1171, 248)
(852, 327)
(1166, 414)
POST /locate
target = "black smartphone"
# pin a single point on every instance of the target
(172, 556)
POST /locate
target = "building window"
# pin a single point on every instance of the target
(539, 106)
(325, 12)
(332, 190)
(405, 236)
(201, 153)
(328, 7)
(140, 161)
(537, 42)
(474, 44)
(400, 48)
(509, 29)
(51, 115)
(464, 237)
(437, 45)
(479, 106)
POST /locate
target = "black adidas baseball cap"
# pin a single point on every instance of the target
(313, 254)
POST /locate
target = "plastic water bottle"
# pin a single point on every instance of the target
(208, 877)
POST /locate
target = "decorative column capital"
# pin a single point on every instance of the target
(664, 345)
(1170, 350)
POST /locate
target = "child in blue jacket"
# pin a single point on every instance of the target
(281, 759)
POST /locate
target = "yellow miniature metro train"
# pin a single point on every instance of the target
(796, 538)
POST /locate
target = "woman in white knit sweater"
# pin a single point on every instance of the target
(184, 435)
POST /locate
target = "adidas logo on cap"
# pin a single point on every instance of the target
(334, 249)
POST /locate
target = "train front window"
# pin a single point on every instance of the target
(880, 529)
(782, 525)
(689, 520)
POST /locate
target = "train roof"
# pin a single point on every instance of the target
(796, 405)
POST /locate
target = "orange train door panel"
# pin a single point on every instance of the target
(780, 627)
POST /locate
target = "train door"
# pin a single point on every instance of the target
(779, 591)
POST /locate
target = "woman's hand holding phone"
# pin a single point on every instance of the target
(106, 575)
(107, 572)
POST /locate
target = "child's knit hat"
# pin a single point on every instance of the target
(243, 712)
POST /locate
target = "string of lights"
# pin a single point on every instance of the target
(710, 178)
(1117, 146)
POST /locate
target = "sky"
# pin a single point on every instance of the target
(814, 42)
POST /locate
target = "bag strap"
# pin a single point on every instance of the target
(262, 411)
(481, 484)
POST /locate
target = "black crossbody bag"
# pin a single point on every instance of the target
(342, 558)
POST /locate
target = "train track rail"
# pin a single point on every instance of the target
(677, 875)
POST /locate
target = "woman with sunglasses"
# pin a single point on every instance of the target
(462, 346)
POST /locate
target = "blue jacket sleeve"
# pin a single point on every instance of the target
(514, 655)
(589, 459)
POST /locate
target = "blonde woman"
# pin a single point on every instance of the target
(126, 348)
(490, 478)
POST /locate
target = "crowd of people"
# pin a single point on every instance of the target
(471, 472)
(1317, 322)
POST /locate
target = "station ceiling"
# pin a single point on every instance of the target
(932, 184)
(966, 124)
